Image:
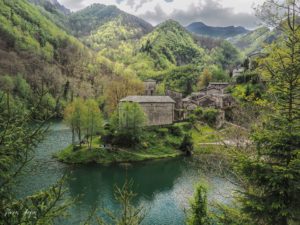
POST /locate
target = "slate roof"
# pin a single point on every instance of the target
(218, 83)
(148, 99)
(150, 80)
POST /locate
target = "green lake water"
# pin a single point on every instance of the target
(163, 187)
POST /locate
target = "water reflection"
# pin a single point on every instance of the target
(163, 187)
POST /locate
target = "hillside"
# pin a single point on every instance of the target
(171, 55)
(100, 25)
(52, 6)
(200, 28)
(53, 11)
(254, 40)
(170, 43)
(35, 50)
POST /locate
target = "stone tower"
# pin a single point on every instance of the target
(150, 87)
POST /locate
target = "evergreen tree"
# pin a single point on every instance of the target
(198, 214)
(272, 175)
(18, 138)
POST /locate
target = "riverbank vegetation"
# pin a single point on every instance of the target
(18, 139)
(46, 72)
(153, 143)
(269, 173)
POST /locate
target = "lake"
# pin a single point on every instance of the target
(163, 187)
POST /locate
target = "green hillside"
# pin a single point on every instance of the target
(35, 50)
(53, 11)
(170, 44)
(95, 23)
(254, 40)
(171, 55)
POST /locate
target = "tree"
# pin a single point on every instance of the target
(204, 78)
(121, 87)
(198, 213)
(128, 213)
(187, 144)
(272, 175)
(128, 123)
(18, 139)
(74, 116)
(93, 120)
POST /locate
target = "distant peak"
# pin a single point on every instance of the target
(201, 28)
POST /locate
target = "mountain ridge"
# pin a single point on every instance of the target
(99, 14)
(201, 28)
(50, 5)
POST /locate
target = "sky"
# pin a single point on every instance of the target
(211, 12)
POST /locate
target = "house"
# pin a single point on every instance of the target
(159, 109)
(213, 96)
(237, 72)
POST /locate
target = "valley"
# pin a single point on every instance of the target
(106, 118)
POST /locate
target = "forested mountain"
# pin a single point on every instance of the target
(200, 28)
(39, 55)
(52, 6)
(255, 40)
(99, 25)
(54, 11)
(170, 43)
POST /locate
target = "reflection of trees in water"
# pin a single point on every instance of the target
(97, 183)
(216, 171)
(163, 185)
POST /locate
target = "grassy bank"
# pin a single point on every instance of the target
(156, 143)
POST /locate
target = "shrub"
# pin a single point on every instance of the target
(210, 116)
(187, 144)
(162, 132)
(176, 130)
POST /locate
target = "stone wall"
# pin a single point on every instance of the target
(159, 113)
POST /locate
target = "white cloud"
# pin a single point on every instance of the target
(213, 12)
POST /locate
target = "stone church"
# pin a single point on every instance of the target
(159, 109)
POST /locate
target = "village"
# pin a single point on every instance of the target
(165, 110)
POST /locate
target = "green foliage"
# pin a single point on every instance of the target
(187, 144)
(205, 78)
(90, 19)
(128, 123)
(272, 175)
(84, 118)
(18, 139)
(206, 115)
(226, 55)
(255, 40)
(24, 28)
(129, 214)
(170, 44)
(249, 77)
(198, 213)
(182, 79)
(93, 120)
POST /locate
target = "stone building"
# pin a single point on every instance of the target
(177, 97)
(159, 109)
(213, 96)
(150, 87)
